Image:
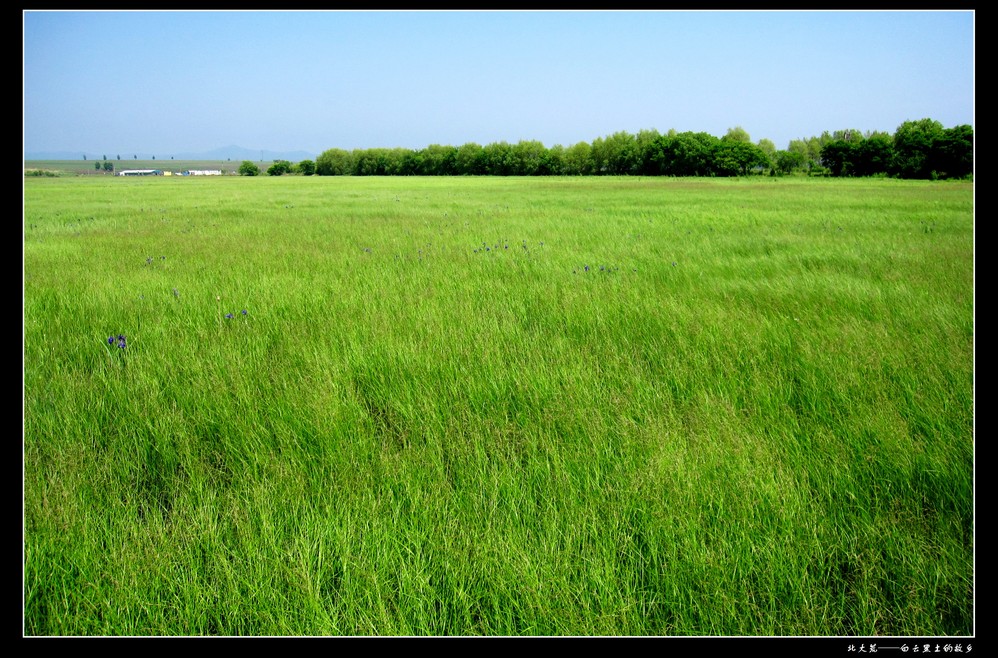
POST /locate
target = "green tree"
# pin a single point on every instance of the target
(528, 158)
(372, 162)
(247, 168)
(737, 134)
(849, 135)
(578, 159)
(914, 143)
(955, 152)
(550, 162)
(599, 157)
(334, 162)
(621, 155)
(555, 160)
(436, 160)
(470, 160)
(769, 150)
(787, 162)
(768, 147)
(644, 141)
(499, 160)
(96, 165)
(363, 162)
(410, 163)
(810, 150)
(684, 154)
(401, 162)
(837, 157)
(738, 158)
(306, 168)
(872, 155)
(279, 168)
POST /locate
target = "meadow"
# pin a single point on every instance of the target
(498, 406)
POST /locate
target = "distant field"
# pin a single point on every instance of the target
(86, 167)
(498, 406)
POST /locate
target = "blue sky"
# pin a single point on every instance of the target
(190, 81)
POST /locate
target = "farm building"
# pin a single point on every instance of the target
(202, 172)
(141, 172)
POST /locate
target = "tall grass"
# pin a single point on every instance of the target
(498, 407)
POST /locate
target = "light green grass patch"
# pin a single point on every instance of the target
(751, 415)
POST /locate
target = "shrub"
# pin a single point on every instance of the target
(247, 168)
(279, 168)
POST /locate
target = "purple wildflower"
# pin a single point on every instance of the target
(110, 340)
(121, 341)
(244, 311)
(229, 316)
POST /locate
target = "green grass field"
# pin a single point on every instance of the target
(498, 406)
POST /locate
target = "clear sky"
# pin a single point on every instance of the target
(190, 81)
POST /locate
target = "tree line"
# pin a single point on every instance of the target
(917, 149)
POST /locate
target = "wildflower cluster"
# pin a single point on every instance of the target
(118, 340)
(501, 245)
(608, 269)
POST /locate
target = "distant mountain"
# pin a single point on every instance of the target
(223, 153)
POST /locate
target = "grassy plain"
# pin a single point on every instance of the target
(498, 406)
